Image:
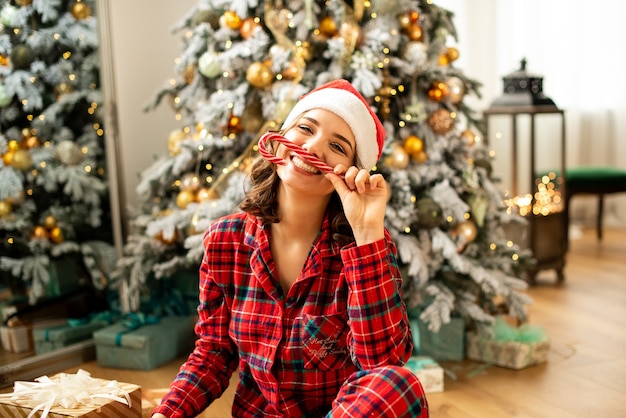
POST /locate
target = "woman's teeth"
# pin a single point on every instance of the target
(304, 166)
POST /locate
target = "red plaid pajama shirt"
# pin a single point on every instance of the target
(343, 314)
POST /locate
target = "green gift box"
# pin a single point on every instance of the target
(48, 339)
(144, 347)
(447, 344)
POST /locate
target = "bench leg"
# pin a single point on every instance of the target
(599, 218)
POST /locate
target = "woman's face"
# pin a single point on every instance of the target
(323, 134)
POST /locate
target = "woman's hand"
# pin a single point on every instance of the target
(158, 416)
(364, 198)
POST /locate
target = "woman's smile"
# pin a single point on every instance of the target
(301, 164)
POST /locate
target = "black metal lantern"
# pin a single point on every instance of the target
(523, 89)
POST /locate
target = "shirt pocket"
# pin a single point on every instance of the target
(324, 342)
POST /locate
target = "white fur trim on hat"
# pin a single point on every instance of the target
(351, 109)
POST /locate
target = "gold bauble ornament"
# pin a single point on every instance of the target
(56, 235)
(441, 121)
(452, 54)
(234, 125)
(420, 158)
(230, 20)
(414, 32)
(169, 240)
(4, 60)
(437, 92)
(80, 10)
(22, 160)
(184, 198)
(5, 208)
(429, 213)
(13, 145)
(26, 132)
(468, 137)
(248, 26)
(206, 16)
(205, 194)
(39, 232)
(62, 89)
(8, 157)
(50, 222)
(32, 142)
(68, 153)
(398, 158)
(173, 142)
(455, 90)
(190, 182)
(252, 118)
(443, 60)
(352, 34)
(22, 56)
(291, 71)
(259, 75)
(305, 51)
(328, 27)
(189, 73)
(24, 2)
(413, 145)
(404, 20)
(467, 230)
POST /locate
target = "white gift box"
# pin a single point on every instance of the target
(428, 371)
(18, 337)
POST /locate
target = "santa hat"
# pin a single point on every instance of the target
(341, 98)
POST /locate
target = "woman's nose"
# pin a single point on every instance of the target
(312, 146)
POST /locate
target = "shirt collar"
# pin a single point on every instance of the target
(256, 236)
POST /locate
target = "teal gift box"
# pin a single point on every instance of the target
(51, 338)
(447, 344)
(146, 345)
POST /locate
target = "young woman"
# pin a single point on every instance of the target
(301, 289)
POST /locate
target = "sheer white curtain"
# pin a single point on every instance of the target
(579, 47)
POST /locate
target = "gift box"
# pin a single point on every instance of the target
(428, 371)
(72, 395)
(511, 347)
(17, 336)
(144, 345)
(175, 295)
(50, 338)
(447, 344)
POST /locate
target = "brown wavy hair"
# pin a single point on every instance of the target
(261, 201)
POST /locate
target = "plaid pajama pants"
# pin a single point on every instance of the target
(384, 392)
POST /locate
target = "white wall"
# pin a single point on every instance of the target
(144, 49)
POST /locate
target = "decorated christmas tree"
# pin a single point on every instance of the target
(243, 66)
(53, 187)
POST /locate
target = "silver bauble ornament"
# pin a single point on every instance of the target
(5, 98)
(209, 65)
(68, 153)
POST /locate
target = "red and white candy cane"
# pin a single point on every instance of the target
(302, 153)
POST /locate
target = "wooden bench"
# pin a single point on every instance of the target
(594, 180)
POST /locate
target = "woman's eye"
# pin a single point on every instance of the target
(338, 147)
(305, 128)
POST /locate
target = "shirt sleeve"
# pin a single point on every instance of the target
(206, 373)
(380, 333)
